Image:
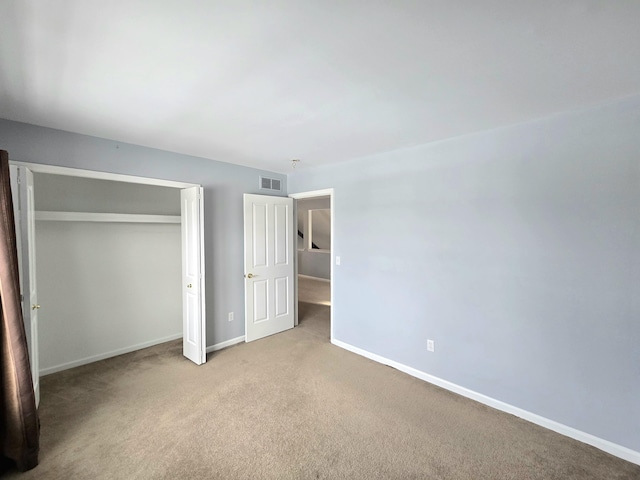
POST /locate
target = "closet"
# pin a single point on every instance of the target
(108, 258)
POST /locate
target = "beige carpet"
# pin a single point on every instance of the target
(291, 406)
(312, 290)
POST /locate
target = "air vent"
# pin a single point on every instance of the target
(270, 184)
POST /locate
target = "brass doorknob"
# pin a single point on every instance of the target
(35, 307)
(249, 275)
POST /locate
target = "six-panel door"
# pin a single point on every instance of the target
(269, 265)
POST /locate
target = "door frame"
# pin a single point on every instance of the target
(117, 177)
(313, 194)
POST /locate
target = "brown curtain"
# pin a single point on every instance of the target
(19, 425)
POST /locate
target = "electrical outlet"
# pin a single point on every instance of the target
(431, 346)
(231, 316)
(337, 260)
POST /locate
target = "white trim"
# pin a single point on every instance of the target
(296, 310)
(105, 217)
(321, 193)
(605, 445)
(102, 356)
(228, 343)
(116, 177)
(203, 296)
(315, 278)
(333, 229)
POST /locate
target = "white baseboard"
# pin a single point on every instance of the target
(228, 343)
(605, 445)
(315, 278)
(102, 356)
(132, 348)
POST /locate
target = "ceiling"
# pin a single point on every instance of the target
(259, 83)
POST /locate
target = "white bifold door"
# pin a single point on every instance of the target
(24, 213)
(193, 324)
(269, 250)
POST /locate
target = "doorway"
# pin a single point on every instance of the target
(315, 258)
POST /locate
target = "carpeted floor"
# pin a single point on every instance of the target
(290, 406)
(313, 290)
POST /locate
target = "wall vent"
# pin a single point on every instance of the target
(270, 184)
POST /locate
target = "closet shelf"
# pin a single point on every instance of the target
(105, 217)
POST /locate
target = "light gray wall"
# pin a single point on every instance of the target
(314, 264)
(62, 193)
(516, 250)
(223, 185)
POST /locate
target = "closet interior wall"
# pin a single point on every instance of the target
(107, 284)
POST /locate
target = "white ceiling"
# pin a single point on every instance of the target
(259, 83)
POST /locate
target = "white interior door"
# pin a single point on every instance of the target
(269, 265)
(193, 306)
(23, 204)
